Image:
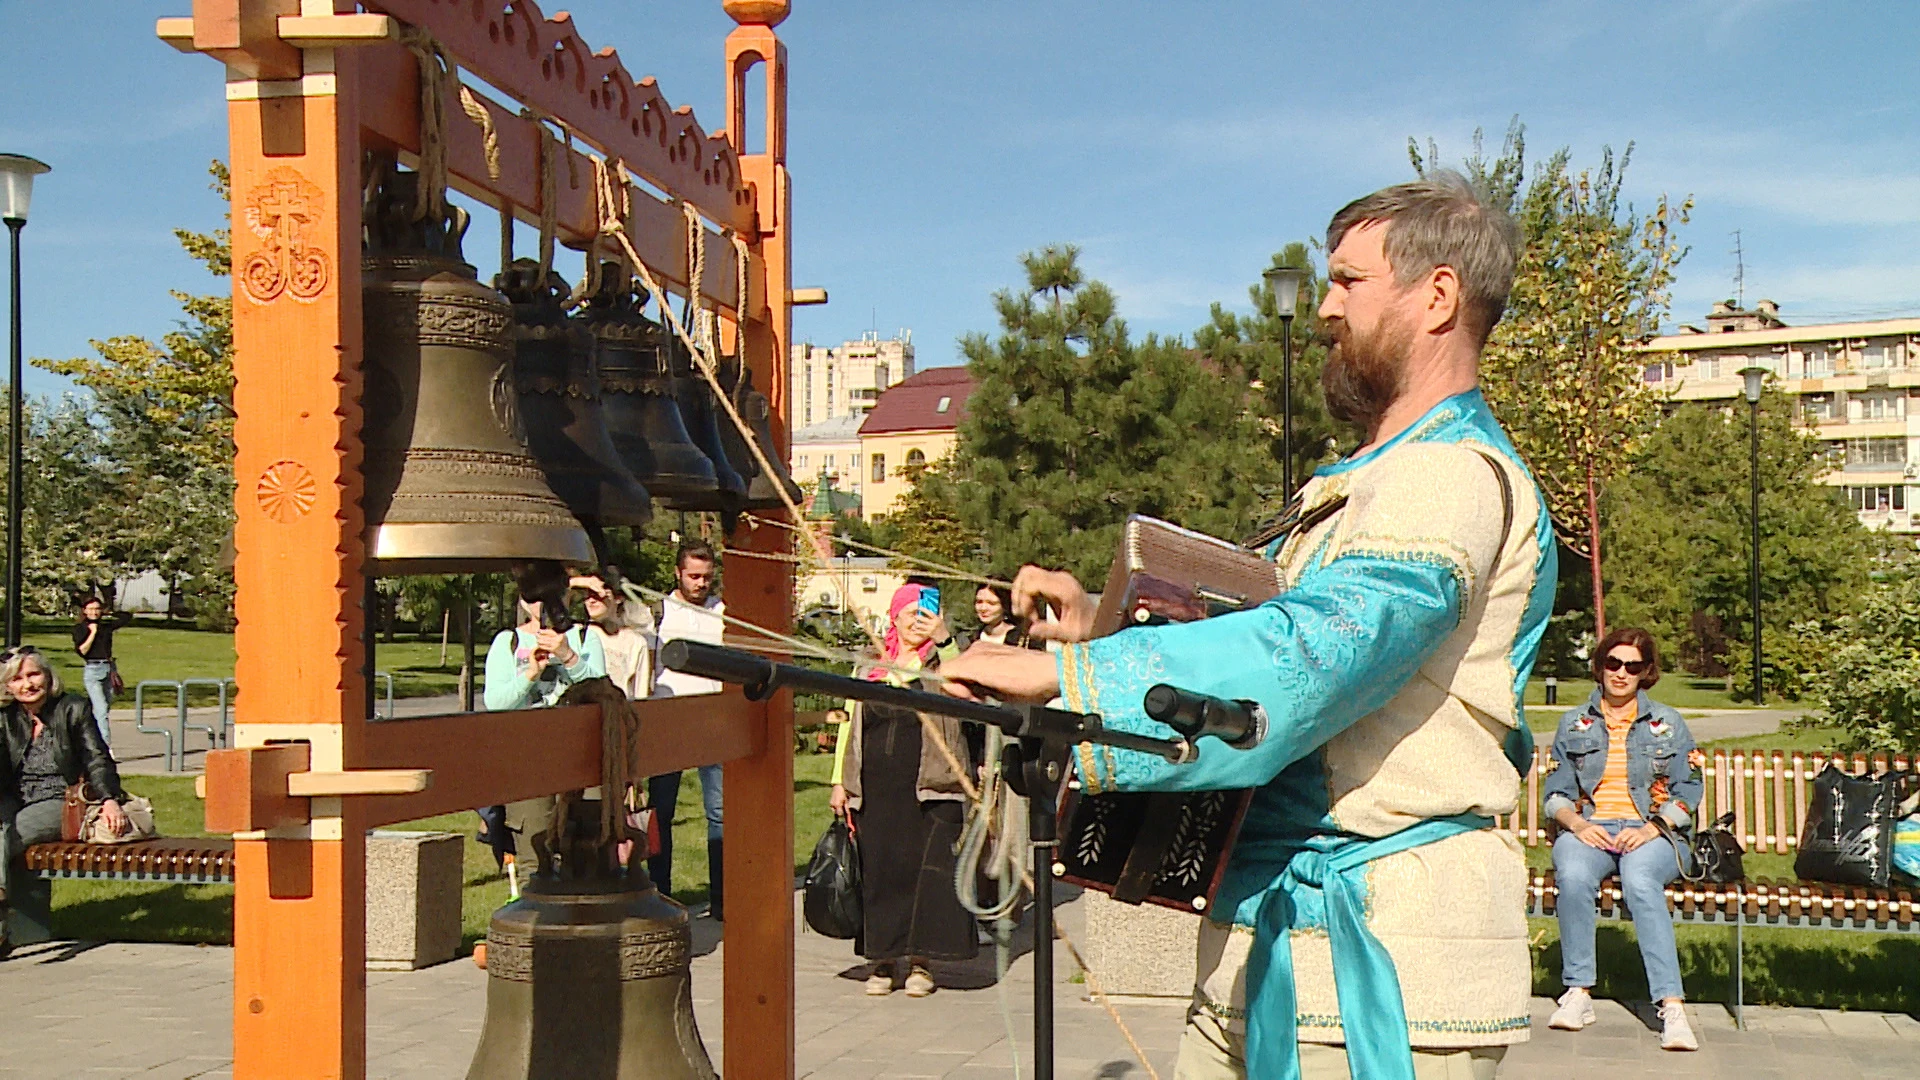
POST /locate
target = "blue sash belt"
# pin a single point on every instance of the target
(1372, 1011)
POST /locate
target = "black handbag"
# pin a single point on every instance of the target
(831, 892)
(1848, 837)
(1718, 858)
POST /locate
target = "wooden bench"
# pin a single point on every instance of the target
(1766, 791)
(196, 861)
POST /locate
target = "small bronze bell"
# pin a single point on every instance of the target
(704, 418)
(642, 415)
(560, 403)
(589, 976)
(757, 411)
(450, 485)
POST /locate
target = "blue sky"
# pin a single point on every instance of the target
(1178, 143)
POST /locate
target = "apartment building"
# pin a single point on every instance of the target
(1857, 385)
(846, 380)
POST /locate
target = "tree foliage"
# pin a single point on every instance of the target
(1074, 425)
(1679, 529)
(1248, 348)
(1869, 682)
(1560, 370)
(160, 473)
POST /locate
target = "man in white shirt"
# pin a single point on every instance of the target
(691, 612)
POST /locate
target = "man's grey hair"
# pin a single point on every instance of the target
(1440, 220)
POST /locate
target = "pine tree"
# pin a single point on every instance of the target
(1679, 531)
(1074, 425)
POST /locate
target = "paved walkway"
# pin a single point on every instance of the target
(162, 1011)
(145, 753)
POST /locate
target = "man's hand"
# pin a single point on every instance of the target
(1003, 672)
(1073, 609)
(1628, 839)
(837, 801)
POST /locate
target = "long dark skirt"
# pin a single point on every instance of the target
(906, 850)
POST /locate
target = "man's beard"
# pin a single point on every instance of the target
(1363, 373)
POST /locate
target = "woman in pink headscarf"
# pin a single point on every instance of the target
(906, 805)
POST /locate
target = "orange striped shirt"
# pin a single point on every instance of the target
(1612, 801)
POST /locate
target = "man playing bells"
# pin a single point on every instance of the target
(1372, 921)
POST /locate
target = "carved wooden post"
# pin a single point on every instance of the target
(759, 1039)
(299, 905)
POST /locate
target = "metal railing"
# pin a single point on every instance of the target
(219, 734)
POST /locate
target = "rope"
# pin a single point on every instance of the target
(939, 570)
(431, 199)
(489, 137)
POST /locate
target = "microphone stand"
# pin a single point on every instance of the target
(1034, 764)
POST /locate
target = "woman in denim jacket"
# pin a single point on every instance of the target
(1604, 803)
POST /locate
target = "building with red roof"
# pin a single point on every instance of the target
(915, 422)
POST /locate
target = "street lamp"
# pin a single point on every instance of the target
(16, 191)
(1754, 377)
(1285, 281)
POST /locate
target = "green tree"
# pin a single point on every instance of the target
(1247, 347)
(1678, 526)
(1561, 370)
(166, 414)
(927, 522)
(1074, 425)
(1869, 684)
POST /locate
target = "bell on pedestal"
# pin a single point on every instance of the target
(642, 416)
(703, 417)
(450, 486)
(762, 493)
(560, 404)
(590, 977)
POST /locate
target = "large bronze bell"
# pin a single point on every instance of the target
(589, 973)
(643, 416)
(704, 418)
(560, 403)
(757, 411)
(450, 486)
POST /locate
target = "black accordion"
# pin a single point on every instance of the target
(1166, 848)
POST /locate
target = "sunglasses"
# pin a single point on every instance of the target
(18, 650)
(1634, 667)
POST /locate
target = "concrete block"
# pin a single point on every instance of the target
(413, 898)
(1139, 950)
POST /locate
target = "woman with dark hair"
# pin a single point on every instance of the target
(48, 741)
(1621, 761)
(993, 606)
(905, 802)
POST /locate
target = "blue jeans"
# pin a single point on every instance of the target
(1644, 872)
(663, 794)
(98, 675)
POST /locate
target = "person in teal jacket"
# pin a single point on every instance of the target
(1371, 921)
(529, 667)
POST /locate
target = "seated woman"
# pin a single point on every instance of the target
(1620, 761)
(48, 741)
(907, 808)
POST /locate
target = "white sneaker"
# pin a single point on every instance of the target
(1575, 1011)
(920, 983)
(880, 983)
(1675, 1032)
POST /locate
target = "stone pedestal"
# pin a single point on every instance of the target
(1141, 951)
(413, 898)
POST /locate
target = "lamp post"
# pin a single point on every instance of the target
(16, 191)
(1285, 281)
(1754, 377)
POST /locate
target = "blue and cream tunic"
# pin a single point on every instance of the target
(1391, 668)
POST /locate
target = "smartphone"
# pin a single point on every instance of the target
(930, 601)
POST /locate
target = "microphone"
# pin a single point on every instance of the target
(1239, 724)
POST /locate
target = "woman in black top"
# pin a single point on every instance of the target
(48, 741)
(93, 640)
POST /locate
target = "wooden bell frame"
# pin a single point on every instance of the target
(312, 86)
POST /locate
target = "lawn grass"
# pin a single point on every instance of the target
(149, 649)
(138, 911)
